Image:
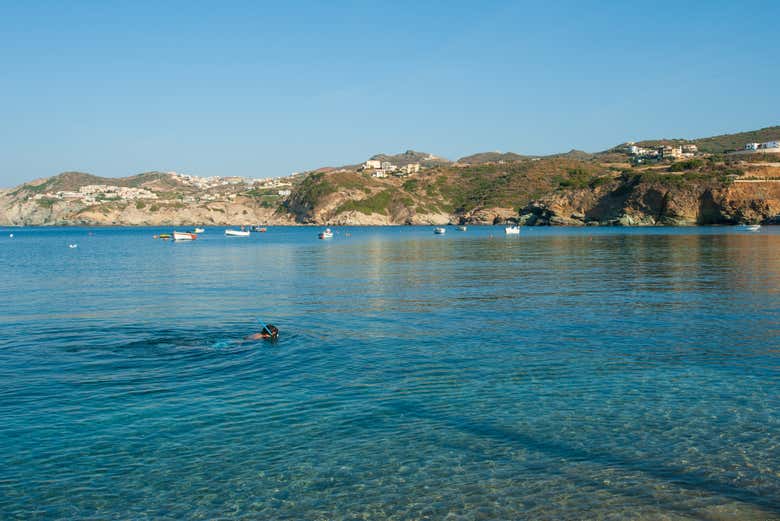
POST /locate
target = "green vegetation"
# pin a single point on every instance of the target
(411, 185)
(46, 202)
(577, 178)
(257, 193)
(154, 208)
(377, 203)
(691, 164)
(140, 205)
(313, 189)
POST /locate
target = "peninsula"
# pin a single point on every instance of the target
(728, 179)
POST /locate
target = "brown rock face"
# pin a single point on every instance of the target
(635, 204)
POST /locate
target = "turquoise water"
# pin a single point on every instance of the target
(562, 374)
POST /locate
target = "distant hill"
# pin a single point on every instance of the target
(412, 156)
(491, 157)
(728, 142)
(574, 154)
(70, 181)
(722, 143)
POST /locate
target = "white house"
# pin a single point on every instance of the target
(372, 164)
(770, 144)
(751, 146)
(411, 168)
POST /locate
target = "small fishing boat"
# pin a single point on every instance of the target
(259, 229)
(71, 246)
(163, 236)
(184, 236)
(512, 230)
(462, 228)
(751, 227)
(439, 230)
(327, 234)
(237, 233)
(199, 230)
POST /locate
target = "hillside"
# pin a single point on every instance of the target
(543, 191)
(491, 157)
(574, 188)
(723, 143)
(151, 198)
(411, 156)
(729, 142)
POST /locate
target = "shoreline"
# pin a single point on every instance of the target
(311, 225)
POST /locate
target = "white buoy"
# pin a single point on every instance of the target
(11, 235)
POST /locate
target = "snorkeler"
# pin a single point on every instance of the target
(269, 332)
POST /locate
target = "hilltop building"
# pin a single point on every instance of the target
(411, 168)
(671, 152)
(762, 146)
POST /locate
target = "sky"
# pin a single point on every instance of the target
(264, 89)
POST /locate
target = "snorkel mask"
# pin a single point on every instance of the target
(271, 331)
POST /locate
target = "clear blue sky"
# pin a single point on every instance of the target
(245, 88)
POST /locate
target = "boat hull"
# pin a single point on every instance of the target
(236, 233)
(184, 236)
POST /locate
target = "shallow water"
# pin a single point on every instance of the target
(563, 374)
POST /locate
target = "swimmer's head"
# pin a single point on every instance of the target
(271, 331)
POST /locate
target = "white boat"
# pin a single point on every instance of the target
(199, 230)
(71, 246)
(752, 227)
(439, 231)
(184, 236)
(327, 234)
(237, 233)
(512, 230)
(462, 228)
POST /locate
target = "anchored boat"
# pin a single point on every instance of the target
(327, 234)
(439, 230)
(237, 233)
(512, 230)
(184, 236)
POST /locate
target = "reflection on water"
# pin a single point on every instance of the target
(562, 374)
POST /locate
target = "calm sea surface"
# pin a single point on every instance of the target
(562, 374)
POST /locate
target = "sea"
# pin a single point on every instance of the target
(565, 373)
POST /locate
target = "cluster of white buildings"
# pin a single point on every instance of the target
(762, 146)
(93, 193)
(204, 183)
(283, 185)
(117, 192)
(662, 152)
(384, 168)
